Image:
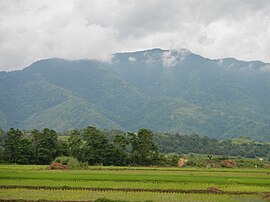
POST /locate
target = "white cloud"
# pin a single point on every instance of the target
(265, 68)
(220, 62)
(168, 59)
(32, 30)
(132, 59)
(172, 57)
(182, 53)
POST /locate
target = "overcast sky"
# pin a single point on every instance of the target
(74, 29)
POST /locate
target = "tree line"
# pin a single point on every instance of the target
(114, 147)
(185, 144)
(89, 145)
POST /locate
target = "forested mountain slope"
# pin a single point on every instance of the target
(164, 90)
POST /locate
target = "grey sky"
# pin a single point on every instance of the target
(75, 29)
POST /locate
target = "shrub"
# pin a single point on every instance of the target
(70, 162)
(223, 158)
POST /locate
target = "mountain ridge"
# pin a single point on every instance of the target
(165, 90)
(136, 52)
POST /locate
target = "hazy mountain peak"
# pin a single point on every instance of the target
(171, 58)
(168, 58)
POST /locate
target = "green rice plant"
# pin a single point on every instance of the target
(78, 195)
(260, 179)
(135, 185)
(247, 180)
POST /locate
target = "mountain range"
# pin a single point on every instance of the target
(163, 90)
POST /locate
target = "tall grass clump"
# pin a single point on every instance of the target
(71, 162)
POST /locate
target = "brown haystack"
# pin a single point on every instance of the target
(182, 162)
(57, 166)
(229, 164)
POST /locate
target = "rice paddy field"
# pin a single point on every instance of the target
(37, 183)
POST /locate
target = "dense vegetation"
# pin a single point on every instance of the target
(184, 144)
(193, 95)
(89, 145)
(114, 147)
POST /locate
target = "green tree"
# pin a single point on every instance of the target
(45, 145)
(3, 136)
(121, 141)
(62, 148)
(120, 154)
(75, 145)
(144, 150)
(96, 145)
(12, 143)
(25, 150)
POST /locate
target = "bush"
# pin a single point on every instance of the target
(168, 160)
(197, 163)
(223, 158)
(70, 162)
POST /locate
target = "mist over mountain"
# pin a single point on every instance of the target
(163, 90)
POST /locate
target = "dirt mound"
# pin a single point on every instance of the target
(267, 196)
(57, 166)
(182, 162)
(229, 164)
(214, 190)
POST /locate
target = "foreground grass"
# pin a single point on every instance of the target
(138, 185)
(146, 179)
(81, 195)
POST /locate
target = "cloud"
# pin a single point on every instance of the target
(132, 59)
(168, 59)
(172, 57)
(220, 62)
(73, 29)
(265, 68)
